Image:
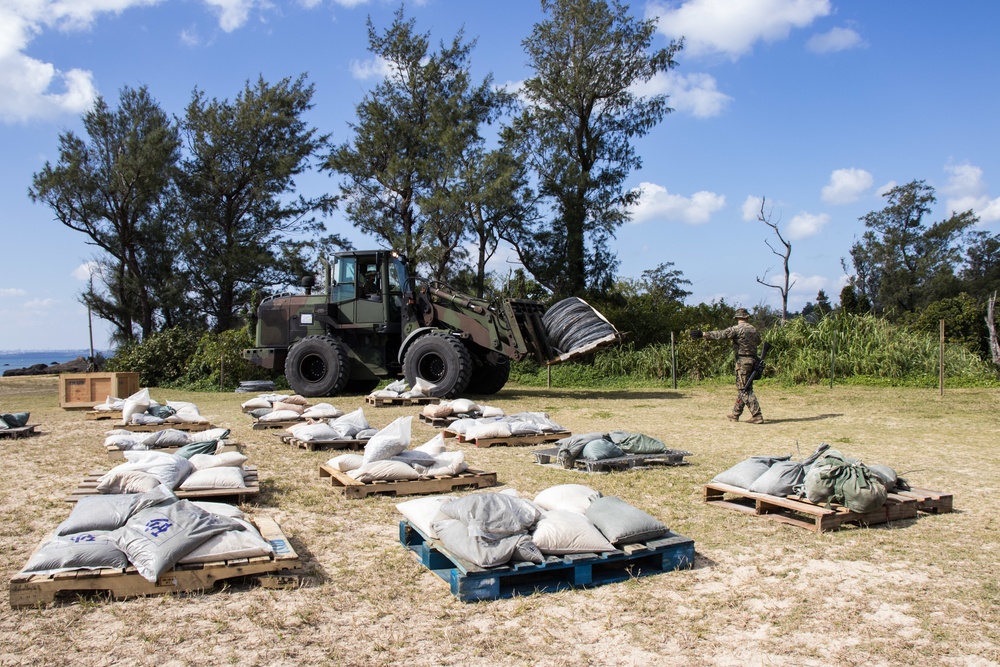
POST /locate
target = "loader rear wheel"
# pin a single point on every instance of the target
(442, 360)
(317, 366)
(490, 375)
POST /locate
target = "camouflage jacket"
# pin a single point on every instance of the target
(745, 338)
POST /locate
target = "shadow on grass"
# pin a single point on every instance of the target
(803, 419)
(592, 394)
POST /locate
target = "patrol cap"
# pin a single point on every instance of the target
(741, 313)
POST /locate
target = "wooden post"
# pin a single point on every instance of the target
(673, 360)
(222, 372)
(941, 362)
(833, 359)
(548, 373)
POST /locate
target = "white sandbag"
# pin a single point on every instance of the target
(130, 441)
(280, 416)
(155, 539)
(388, 442)
(145, 419)
(222, 477)
(137, 403)
(317, 431)
(445, 463)
(126, 481)
(275, 398)
(561, 532)
(186, 413)
(294, 407)
(437, 411)
(384, 393)
(322, 411)
(571, 497)
(295, 399)
(414, 458)
(462, 425)
(421, 512)
(488, 429)
(168, 468)
(255, 403)
(463, 406)
(350, 424)
(346, 462)
(399, 386)
(424, 387)
(490, 411)
(92, 550)
(110, 405)
(168, 437)
(383, 471)
(223, 460)
(230, 545)
(434, 446)
(519, 427)
(218, 433)
(222, 509)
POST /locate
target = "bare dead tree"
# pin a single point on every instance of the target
(991, 325)
(788, 283)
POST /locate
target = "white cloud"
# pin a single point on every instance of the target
(233, 14)
(751, 207)
(884, 189)
(39, 304)
(967, 190)
(10, 292)
(375, 68)
(83, 271)
(846, 186)
(732, 27)
(655, 203)
(805, 225)
(189, 37)
(695, 93)
(807, 284)
(837, 39)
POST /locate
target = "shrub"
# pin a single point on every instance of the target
(160, 360)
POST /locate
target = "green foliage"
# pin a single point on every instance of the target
(216, 363)
(965, 322)
(160, 360)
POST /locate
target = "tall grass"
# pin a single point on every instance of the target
(865, 350)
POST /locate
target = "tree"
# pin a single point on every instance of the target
(851, 302)
(981, 274)
(900, 264)
(404, 169)
(577, 129)
(115, 190)
(786, 285)
(823, 306)
(241, 221)
(664, 283)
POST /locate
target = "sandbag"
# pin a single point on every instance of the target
(110, 512)
(206, 447)
(15, 419)
(859, 490)
(390, 441)
(561, 532)
(637, 443)
(350, 424)
(597, 450)
(93, 550)
(230, 545)
(786, 477)
(622, 523)
(746, 472)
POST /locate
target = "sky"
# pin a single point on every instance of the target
(816, 106)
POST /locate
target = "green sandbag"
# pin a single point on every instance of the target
(637, 443)
(598, 450)
(207, 447)
(15, 419)
(161, 411)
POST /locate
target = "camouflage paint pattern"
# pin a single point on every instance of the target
(745, 340)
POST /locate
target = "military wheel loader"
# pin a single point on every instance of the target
(371, 321)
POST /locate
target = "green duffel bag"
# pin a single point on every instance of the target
(15, 419)
(161, 411)
(859, 489)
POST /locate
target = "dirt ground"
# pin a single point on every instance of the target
(914, 592)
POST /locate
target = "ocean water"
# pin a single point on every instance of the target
(24, 358)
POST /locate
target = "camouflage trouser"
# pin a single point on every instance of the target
(744, 366)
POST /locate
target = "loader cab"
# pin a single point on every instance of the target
(367, 287)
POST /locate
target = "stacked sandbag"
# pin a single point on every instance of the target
(387, 457)
(402, 389)
(140, 409)
(460, 408)
(111, 404)
(278, 407)
(143, 471)
(505, 426)
(491, 529)
(785, 478)
(746, 472)
(602, 446)
(125, 440)
(152, 531)
(352, 426)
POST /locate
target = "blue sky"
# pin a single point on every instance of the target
(817, 105)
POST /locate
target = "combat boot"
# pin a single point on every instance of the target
(733, 418)
(756, 419)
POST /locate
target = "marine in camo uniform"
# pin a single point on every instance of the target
(746, 340)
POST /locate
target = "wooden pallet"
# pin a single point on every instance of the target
(88, 487)
(104, 414)
(115, 454)
(437, 422)
(380, 402)
(180, 426)
(259, 425)
(511, 441)
(25, 431)
(353, 489)
(314, 445)
(798, 511)
(933, 502)
(27, 590)
(671, 457)
(470, 583)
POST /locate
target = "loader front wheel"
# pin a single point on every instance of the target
(317, 366)
(442, 360)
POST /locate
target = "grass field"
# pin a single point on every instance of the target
(915, 592)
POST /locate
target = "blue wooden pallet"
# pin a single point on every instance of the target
(470, 583)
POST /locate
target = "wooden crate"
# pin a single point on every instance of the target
(798, 511)
(353, 489)
(315, 445)
(88, 487)
(27, 590)
(470, 583)
(85, 390)
(671, 457)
